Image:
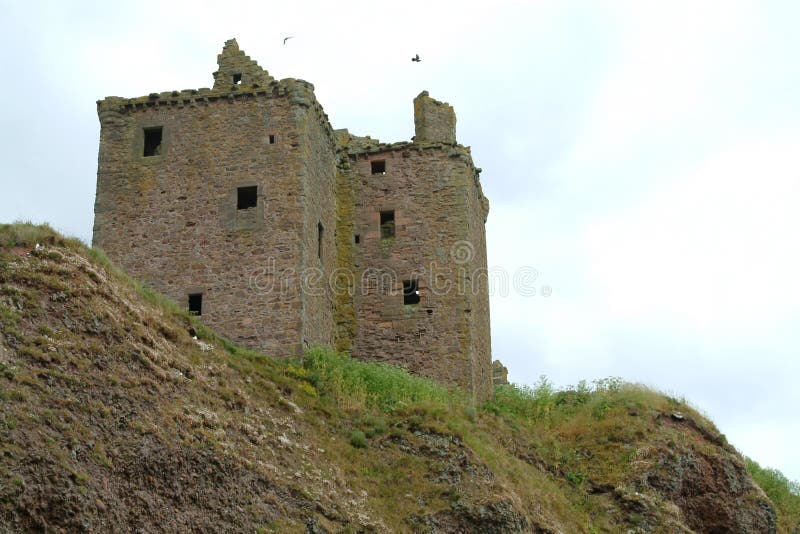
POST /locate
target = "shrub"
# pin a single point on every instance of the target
(373, 426)
(358, 439)
(6, 371)
(784, 493)
(528, 403)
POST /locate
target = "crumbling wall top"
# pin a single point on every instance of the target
(236, 68)
(499, 373)
(434, 121)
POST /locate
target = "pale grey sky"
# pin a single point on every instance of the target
(643, 157)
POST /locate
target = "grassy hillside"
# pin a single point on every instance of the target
(120, 412)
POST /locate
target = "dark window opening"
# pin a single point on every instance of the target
(379, 166)
(387, 224)
(271, 139)
(196, 304)
(152, 141)
(410, 292)
(246, 197)
(237, 79)
(357, 239)
(320, 231)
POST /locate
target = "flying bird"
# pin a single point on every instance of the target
(287, 38)
(416, 58)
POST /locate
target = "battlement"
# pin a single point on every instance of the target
(297, 92)
(241, 202)
(300, 91)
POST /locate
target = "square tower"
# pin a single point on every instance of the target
(241, 203)
(220, 197)
(422, 300)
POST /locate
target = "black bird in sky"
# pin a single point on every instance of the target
(287, 38)
(416, 58)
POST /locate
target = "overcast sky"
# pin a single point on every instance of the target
(643, 157)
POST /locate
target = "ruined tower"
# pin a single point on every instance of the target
(243, 204)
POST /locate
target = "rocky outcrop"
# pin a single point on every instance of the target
(709, 484)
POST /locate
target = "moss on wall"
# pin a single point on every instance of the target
(343, 309)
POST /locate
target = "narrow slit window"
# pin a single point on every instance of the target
(196, 304)
(410, 292)
(357, 239)
(152, 141)
(237, 79)
(387, 224)
(378, 166)
(271, 139)
(320, 232)
(246, 197)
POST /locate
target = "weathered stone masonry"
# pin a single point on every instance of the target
(242, 202)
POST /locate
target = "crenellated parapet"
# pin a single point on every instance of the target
(299, 92)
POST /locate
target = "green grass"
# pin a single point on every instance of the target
(784, 493)
(26, 234)
(544, 404)
(98, 257)
(354, 384)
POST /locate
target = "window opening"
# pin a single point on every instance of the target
(410, 292)
(320, 231)
(379, 166)
(152, 141)
(246, 197)
(237, 79)
(387, 224)
(196, 304)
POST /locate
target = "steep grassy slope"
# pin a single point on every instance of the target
(114, 418)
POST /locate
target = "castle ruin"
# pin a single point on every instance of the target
(243, 204)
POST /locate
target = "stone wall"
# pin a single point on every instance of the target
(344, 280)
(171, 220)
(434, 121)
(472, 256)
(499, 373)
(318, 260)
(429, 188)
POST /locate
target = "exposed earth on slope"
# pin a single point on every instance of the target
(114, 416)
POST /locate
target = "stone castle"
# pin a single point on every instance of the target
(242, 203)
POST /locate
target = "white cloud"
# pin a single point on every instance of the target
(669, 54)
(714, 248)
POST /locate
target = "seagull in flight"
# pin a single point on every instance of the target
(287, 38)
(416, 58)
